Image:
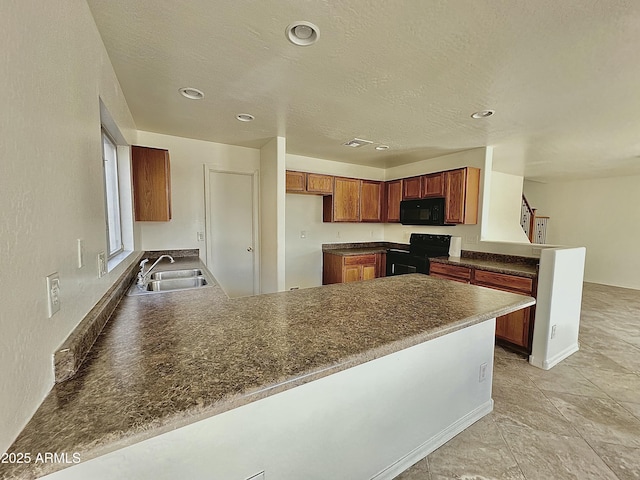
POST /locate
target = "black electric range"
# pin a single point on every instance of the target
(416, 260)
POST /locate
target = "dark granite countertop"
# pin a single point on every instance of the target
(361, 248)
(508, 264)
(167, 360)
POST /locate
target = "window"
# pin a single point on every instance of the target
(112, 195)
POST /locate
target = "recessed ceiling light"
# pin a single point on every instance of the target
(482, 114)
(192, 93)
(245, 117)
(357, 142)
(302, 33)
(382, 147)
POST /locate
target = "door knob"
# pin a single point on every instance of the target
(249, 249)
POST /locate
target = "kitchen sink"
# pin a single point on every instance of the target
(171, 281)
(171, 274)
(176, 284)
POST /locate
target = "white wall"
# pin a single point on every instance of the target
(505, 200)
(272, 215)
(559, 300)
(53, 70)
(187, 187)
(371, 421)
(303, 256)
(602, 215)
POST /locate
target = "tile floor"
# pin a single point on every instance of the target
(579, 420)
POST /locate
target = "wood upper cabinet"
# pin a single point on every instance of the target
(338, 268)
(393, 197)
(412, 188)
(433, 185)
(315, 183)
(296, 182)
(462, 187)
(320, 184)
(344, 204)
(371, 201)
(151, 177)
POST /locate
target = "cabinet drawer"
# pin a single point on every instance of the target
(360, 259)
(462, 273)
(502, 281)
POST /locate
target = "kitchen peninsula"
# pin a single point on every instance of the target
(194, 383)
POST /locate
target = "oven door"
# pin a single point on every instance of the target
(400, 263)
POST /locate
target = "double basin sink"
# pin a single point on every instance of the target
(171, 281)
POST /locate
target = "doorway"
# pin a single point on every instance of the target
(231, 206)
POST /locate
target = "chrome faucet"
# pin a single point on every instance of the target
(142, 275)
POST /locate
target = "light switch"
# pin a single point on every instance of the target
(53, 293)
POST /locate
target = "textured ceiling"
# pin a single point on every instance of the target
(562, 76)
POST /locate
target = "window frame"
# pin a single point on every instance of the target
(105, 134)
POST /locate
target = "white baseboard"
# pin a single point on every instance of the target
(434, 442)
(556, 359)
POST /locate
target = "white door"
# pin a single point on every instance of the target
(231, 228)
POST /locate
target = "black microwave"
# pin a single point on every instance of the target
(428, 211)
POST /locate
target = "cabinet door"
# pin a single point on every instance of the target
(351, 273)
(368, 272)
(394, 196)
(296, 181)
(461, 188)
(433, 185)
(346, 200)
(371, 201)
(151, 178)
(454, 198)
(514, 327)
(412, 188)
(319, 183)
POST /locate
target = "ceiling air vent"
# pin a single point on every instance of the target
(357, 142)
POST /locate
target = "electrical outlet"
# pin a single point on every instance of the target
(53, 293)
(553, 331)
(536, 251)
(200, 236)
(483, 373)
(338, 234)
(471, 240)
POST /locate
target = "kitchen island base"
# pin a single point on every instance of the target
(371, 421)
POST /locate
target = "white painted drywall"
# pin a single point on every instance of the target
(370, 421)
(304, 214)
(187, 187)
(505, 200)
(559, 300)
(272, 215)
(601, 214)
(53, 71)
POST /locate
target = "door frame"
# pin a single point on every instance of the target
(255, 192)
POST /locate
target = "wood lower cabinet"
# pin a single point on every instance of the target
(515, 329)
(461, 190)
(450, 272)
(151, 176)
(371, 201)
(393, 198)
(344, 204)
(433, 185)
(337, 268)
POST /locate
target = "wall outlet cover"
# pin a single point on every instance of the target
(102, 264)
(53, 293)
